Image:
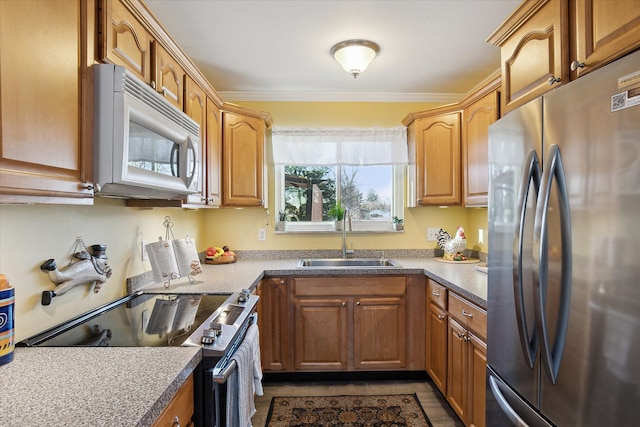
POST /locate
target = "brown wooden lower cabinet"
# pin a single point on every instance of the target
(180, 410)
(342, 323)
(436, 360)
(456, 353)
(273, 324)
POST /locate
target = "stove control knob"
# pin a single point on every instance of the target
(244, 296)
(208, 336)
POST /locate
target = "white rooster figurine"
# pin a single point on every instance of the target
(453, 248)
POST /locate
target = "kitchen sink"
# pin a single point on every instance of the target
(347, 263)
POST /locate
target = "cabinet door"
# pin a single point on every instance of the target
(195, 106)
(379, 333)
(534, 52)
(457, 374)
(125, 41)
(168, 78)
(243, 160)
(45, 102)
(437, 159)
(477, 377)
(321, 333)
(436, 360)
(214, 154)
(475, 148)
(605, 30)
(275, 342)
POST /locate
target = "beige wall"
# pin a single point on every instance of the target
(31, 234)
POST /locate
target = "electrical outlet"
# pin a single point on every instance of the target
(262, 234)
(432, 234)
(143, 250)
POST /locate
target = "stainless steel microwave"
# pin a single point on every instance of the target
(144, 146)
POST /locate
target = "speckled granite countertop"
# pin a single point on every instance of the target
(92, 386)
(463, 279)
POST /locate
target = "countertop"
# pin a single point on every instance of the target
(115, 386)
(92, 386)
(463, 279)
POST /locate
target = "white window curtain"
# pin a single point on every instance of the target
(339, 146)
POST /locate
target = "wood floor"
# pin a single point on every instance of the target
(438, 411)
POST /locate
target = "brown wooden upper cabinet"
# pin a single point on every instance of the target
(125, 40)
(195, 106)
(45, 102)
(169, 78)
(214, 154)
(546, 43)
(434, 160)
(476, 119)
(243, 158)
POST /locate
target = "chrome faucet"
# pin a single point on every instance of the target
(344, 233)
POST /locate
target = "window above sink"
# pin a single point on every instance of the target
(362, 169)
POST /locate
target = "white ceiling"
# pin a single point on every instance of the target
(430, 50)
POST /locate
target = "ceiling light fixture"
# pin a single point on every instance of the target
(355, 55)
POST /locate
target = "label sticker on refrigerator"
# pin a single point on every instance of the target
(629, 79)
(627, 99)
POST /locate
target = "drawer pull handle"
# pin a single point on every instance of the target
(440, 316)
(176, 422)
(467, 314)
(435, 293)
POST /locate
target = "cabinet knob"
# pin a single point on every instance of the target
(344, 304)
(575, 65)
(440, 317)
(176, 422)
(358, 303)
(90, 186)
(153, 84)
(467, 314)
(554, 79)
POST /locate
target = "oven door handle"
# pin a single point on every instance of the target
(223, 376)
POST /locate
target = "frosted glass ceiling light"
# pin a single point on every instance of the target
(355, 55)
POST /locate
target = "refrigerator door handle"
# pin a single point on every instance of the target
(504, 404)
(552, 356)
(528, 341)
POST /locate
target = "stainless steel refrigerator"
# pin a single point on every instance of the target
(564, 255)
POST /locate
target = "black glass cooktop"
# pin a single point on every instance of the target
(142, 320)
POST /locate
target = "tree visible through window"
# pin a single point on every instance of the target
(366, 191)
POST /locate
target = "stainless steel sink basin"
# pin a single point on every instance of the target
(347, 263)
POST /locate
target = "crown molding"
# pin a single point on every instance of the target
(302, 96)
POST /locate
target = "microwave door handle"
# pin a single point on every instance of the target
(174, 159)
(191, 176)
(528, 341)
(552, 356)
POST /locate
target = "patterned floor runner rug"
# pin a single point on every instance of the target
(400, 410)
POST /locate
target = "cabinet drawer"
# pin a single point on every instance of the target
(437, 294)
(469, 315)
(350, 286)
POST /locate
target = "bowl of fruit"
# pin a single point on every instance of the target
(219, 255)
